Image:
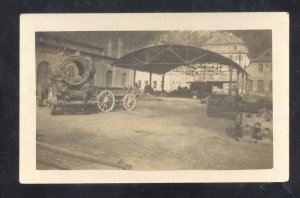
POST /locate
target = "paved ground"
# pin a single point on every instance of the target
(160, 134)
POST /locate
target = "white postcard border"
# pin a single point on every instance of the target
(31, 23)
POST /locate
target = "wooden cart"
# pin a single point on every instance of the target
(105, 98)
(71, 84)
(108, 98)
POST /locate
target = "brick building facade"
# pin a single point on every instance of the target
(50, 49)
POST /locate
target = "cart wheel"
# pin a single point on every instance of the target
(129, 102)
(106, 101)
(52, 109)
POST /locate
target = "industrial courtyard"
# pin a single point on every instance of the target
(160, 134)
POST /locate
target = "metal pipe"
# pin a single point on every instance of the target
(109, 48)
(120, 47)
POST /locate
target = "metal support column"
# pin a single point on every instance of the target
(163, 83)
(237, 81)
(230, 80)
(247, 84)
(243, 83)
(134, 75)
(150, 79)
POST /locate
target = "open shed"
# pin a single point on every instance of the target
(161, 59)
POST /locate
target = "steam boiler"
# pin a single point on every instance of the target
(71, 84)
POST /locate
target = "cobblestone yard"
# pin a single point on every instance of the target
(160, 134)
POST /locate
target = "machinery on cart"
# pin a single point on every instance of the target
(71, 84)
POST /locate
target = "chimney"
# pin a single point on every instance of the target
(120, 47)
(109, 48)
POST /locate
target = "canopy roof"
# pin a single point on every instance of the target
(163, 58)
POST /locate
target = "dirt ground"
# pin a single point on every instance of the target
(160, 134)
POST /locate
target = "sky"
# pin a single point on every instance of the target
(256, 40)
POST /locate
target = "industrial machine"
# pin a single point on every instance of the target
(253, 118)
(71, 84)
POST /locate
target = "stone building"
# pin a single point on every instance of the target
(172, 81)
(260, 69)
(50, 49)
(230, 46)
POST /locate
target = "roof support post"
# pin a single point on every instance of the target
(230, 80)
(150, 79)
(134, 75)
(242, 83)
(237, 81)
(163, 83)
(247, 84)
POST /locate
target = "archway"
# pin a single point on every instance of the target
(43, 72)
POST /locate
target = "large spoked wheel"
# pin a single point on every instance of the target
(129, 102)
(106, 101)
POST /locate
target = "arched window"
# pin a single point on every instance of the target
(109, 78)
(43, 73)
(123, 79)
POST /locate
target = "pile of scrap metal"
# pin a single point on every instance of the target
(257, 126)
(253, 119)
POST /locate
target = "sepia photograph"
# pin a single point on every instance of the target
(147, 100)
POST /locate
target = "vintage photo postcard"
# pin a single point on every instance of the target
(154, 98)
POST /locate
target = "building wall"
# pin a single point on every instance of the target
(230, 46)
(241, 59)
(231, 51)
(102, 67)
(101, 70)
(257, 75)
(172, 80)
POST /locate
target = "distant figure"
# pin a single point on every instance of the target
(238, 130)
(148, 90)
(179, 89)
(136, 89)
(257, 132)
